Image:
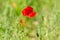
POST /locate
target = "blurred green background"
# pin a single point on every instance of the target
(44, 26)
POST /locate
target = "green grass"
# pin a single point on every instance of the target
(46, 23)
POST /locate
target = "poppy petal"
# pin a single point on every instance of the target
(32, 14)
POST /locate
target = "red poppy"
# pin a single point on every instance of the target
(28, 11)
